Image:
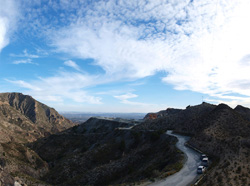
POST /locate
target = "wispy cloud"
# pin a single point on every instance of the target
(23, 61)
(124, 98)
(24, 85)
(61, 87)
(72, 64)
(8, 17)
(25, 54)
(203, 46)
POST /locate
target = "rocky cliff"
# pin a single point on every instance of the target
(219, 131)
(105, 151)
(178, 119)
(23, 118)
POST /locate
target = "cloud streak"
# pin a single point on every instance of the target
(61, 87)
(72, 64)
(202, 46)
(8, 18)
(23, 61)
(124, 98)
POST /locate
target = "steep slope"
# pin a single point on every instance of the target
(27, 118)
(179, 120)
(106, 155)
(219, 131)
(20, 163)
(226, 138)
(22, 120)
(244, 111)
(14, 126)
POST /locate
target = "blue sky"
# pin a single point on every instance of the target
(126, 56)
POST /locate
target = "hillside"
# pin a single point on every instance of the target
(38, 146)
(219, 131)
(227, 139)
(97, 153)
(177, 119)
(22, 120)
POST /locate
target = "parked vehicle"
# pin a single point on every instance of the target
(205, 162)
(201, 169)
(203, 156)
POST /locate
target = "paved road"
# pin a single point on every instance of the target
(188, 173)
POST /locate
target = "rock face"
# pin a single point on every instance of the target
(35, 148)
(23, 118)
(178, 119)
(162, 113)
(244, 111)
(219, 131)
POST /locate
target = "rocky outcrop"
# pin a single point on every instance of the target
(243, 111)
(23, 118)
(179, 120)
(226, 139)
(219, 131)
(162, 113)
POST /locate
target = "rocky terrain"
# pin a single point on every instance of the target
(219, 131)
(103, 155)
(182, 121)
(40, 147)
(23, 120)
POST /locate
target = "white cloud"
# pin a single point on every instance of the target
(126, 96)
(8, 16)
(202, 45)
(25, 85)
(61, 87)
(23, 61)
(72, 64)
(25, 54)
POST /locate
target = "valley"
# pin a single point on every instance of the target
(38, 146)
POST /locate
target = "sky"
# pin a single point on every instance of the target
(126, 55)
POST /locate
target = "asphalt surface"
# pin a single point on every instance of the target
(187, 174)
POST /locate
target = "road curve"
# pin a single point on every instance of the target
(188, 173)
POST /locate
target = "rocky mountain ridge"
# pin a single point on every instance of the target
(219, 131)
(104, 151)
(23, 118)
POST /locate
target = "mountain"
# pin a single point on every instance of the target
(219, 131)
(226, 138)
(22, 118)
(98, 153)
(40, 147)
(177, 119)
(244, 111)
(162, 113)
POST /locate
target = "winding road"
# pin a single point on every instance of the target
(187, 174)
